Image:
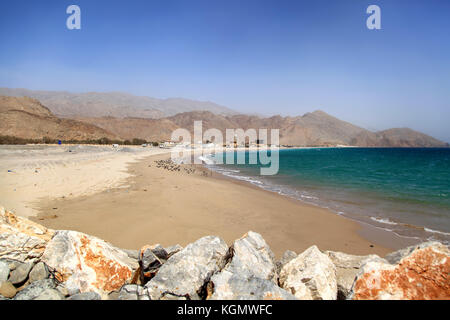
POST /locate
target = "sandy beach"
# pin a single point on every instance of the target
(129, 201)
(29, 173)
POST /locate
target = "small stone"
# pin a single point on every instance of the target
(39, 272)
(85, 296)
(4, 271)
(50, 294)
(7, 289)
(20, 274)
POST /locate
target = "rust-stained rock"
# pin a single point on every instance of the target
(422, 273)
(86, 263)
(21, 239)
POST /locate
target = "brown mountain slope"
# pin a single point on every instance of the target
(27, 118)
(312, 129)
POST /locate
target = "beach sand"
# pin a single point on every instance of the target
(29, 173)
(154, 205)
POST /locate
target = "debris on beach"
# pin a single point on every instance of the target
(37, 263)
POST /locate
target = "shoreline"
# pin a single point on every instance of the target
(194, 205)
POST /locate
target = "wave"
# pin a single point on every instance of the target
(402, 230)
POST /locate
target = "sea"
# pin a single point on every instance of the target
(402, 190)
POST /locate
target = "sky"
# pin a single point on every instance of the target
(255, 56)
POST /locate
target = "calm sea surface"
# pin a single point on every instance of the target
(403, 190)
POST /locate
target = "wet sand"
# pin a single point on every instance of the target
(155, 205)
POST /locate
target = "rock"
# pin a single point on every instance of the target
(21, 239)
(347, 267)
(159, 251)
(91, 295)
(133, 254)
(20, 274)
(35, 289)
(86, 263)
(50, 294)
(421, 274)
(231, 286)
(148, 260)
(186, 272)
(3, 298)
(396, 256)
(39, 272)
(131, 292)
(288, 255)
(113, 295)
(250, 272)
(7, 289)
(311, 275)
(4, 271)
(173, 249)
(63, 290)
(251, 257)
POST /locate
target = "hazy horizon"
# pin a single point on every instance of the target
(255, 57)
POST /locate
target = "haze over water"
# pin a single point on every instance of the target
(406, 191)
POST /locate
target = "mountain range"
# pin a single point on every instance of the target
(113, 104)
(25, 117)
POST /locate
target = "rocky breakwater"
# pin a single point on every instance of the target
(41, 264)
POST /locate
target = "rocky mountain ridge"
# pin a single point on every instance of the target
(28, 118)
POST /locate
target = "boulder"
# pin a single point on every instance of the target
(420, 273)
(250, 272)
(7, 289)
(91, 295)
(310, 276)
(347, 267)
(86, 263)
(50, 294)
(4, 271)
(20, 274)
(21, 239)
(231, 286)
(250, 256)
(186, 272)
(35, 289)
(288, 255)
(39, 272)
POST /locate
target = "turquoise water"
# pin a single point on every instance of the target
(403, 190)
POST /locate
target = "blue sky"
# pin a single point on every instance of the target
(255, 56)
